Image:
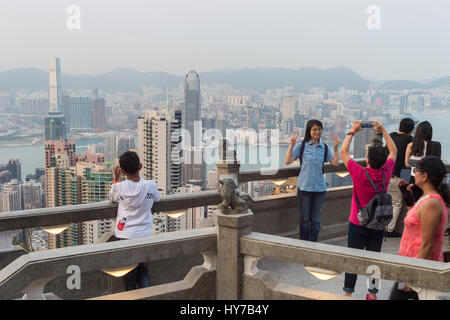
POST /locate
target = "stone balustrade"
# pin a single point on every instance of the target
(34, 273)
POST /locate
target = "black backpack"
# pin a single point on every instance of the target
(302, 150)
(377, 214)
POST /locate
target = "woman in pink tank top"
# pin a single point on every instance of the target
(427, 220)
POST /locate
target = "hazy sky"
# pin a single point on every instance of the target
(175, 35)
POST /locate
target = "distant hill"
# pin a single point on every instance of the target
(132, 80)
(129, 80)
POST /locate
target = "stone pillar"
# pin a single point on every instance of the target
(230, 262)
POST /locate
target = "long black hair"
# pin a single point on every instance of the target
(309, 125)
(424, 132)
(441, 187)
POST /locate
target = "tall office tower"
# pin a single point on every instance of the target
(80, 113)
(126, 143)
(159, 148)
(362, 140)
(191, 109)
(404, 104)
(13, 167)
(112, 148)
(98, 113)
(55, 125)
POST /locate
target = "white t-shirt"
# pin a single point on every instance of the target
(134, 216)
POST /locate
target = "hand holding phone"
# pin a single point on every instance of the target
(366, 124)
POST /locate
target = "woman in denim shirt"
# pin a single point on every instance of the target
(311, 182)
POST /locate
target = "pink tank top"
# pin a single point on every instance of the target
(412, 234)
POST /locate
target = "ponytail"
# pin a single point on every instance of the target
(444, 192)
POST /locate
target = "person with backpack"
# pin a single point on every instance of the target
(371, 208)
(311, 182)
(421, 146)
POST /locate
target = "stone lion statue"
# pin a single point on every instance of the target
(231, 202)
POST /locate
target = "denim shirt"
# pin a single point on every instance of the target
(311, 177)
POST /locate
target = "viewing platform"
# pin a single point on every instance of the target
(250, 256)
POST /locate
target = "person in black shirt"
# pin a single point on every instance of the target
(401, 140)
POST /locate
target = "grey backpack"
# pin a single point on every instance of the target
(377, 214)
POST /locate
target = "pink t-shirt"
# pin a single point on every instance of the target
(412, 235)
(363, 186)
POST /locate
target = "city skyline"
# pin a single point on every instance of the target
(405, 41)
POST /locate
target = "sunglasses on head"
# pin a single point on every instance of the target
(415, 170)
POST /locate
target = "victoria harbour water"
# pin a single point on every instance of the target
(252, 157)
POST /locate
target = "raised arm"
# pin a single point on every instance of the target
(389, 142)
(335, 160)
(289, 158)
(345, 149)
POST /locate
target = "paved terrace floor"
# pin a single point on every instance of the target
(295, 274)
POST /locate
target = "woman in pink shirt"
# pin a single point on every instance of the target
(426, 221)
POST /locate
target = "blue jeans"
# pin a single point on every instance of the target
(310, 204)
(362, 238)
(137, 278)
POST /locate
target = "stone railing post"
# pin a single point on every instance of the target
(230, 262)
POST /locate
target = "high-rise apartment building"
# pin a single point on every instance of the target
(32, 195)
(159, 148)
(11, 196)
(59, 156)
(83, 183)
(112, 148)
(288, 108)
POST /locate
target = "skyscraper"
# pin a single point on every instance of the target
(191, 108)
(98, 114)
(125, 144)
(55, 125)
(112, 148)
(80, 113)
(159, 150)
